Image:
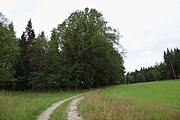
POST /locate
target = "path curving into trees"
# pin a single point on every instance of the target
(46, 114)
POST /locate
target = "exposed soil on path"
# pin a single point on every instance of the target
(46, 114)
(72, 110)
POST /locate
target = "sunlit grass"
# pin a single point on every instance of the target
(167, 92)
(28, 105)
(144, 101)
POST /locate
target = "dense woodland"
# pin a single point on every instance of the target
(169, 69)
(82, 52)
(79, 54)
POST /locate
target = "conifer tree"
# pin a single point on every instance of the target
(23, 67)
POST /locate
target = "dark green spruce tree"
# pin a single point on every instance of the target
(38, 64)
(23, 67)
(172, 63)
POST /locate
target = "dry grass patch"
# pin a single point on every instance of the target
(96, 106)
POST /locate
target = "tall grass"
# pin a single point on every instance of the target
(119, 102)
(27, 105)
(97, 107)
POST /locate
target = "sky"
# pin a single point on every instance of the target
(148, 27)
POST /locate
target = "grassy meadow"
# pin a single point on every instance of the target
(28, 105)
(158, 100)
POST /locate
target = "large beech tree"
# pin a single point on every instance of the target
(87, 50)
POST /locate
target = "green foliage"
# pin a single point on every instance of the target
(38, 61)
(87, 50)
(169, 69)
(159, 71)
(172, 62)
(79, 54)
(53, 62)
(24, 66)
(8, 50)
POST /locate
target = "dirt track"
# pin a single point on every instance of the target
(72, 110)
(46, 114)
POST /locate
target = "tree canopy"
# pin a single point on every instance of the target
(86, 44)
(8, 51)
(79, 54)
(169, 69)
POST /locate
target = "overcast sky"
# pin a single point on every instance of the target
(148, 27)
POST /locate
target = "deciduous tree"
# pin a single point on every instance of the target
(8, 51)
(88, 52)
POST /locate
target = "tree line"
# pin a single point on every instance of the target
(169, 69)
(80, 53)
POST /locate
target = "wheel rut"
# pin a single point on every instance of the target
(72, 110)
(46, 114)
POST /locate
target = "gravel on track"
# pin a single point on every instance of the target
(46, 114)
(72, 110)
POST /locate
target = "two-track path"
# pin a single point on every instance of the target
(72, 110)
